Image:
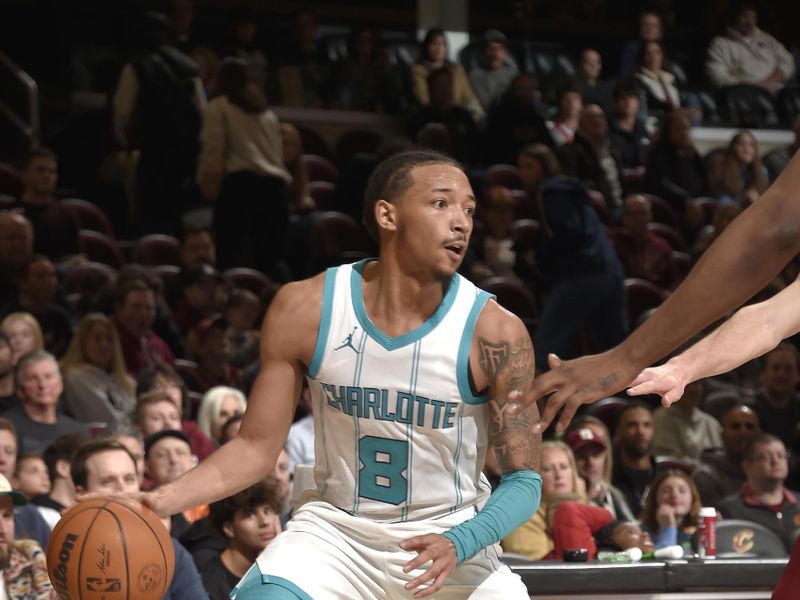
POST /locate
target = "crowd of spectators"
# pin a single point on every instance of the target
(594, 203)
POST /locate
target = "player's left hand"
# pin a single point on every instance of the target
(431, 548)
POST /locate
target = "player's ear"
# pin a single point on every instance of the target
(385, 215)
(227, 529)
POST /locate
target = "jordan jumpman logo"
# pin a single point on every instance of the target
(348, 341)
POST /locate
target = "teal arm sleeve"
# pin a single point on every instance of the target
(514, 501)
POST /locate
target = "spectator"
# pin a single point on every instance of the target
(16, 248)
(515, 121)
(37, 419)
(659, 86)
(207, 68)
(576, 262)
(8, 448)
(670, 512)
(163, 380)
(304, 73)
(738, 174)
(242, 312)
(559, 481)
(300, 441)
(651, 29)
(181, 18)
(242, 163)
(30, 477)
(197, 247)
(249, 520)
(157, 107)
(593, 461)
(245, 48)
(210, 347)
(642, 253)
(720, 474)
(24, 333)
(629, 138)
(763, 498)
(231, 428)
(283, 476)
(106, 467)
(593, 89)
(685, 433)
(494, 254)
(7, 396)
(748, 55)
(55, 227)
(570, 105)
(491, 79)
(441, 109)
(134, 316)
(299, 196)
(200, 291)
(38, 287)
(359, 78)
(778, 404)
(634, 467)
(58, 458)
(219, 404)
(591, 158)
(434, 57)
(723, 216)
(97, 387)
(775, 161)
(135, 445)
(22, 561)
(675, 170)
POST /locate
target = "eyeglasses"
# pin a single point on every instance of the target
(767, 456)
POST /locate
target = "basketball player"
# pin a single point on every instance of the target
(747, 256)
(410, 367)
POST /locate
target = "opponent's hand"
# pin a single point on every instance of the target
(431, 548)
(148, 499)
(668, 381)
(569, 384)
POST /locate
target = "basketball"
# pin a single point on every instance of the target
(110, 545)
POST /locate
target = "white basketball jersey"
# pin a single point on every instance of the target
(399, 433)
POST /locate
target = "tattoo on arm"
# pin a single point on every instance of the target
(510, 366)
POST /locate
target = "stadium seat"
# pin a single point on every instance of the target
(89, 216)
(663, 211)
(641, 295)
(337, 238)
(320, 168)
(249, 279)
(671, 462)
(194, 400)
(403, 51)
(683, 262)
(505, 175)
(719, 402)
(707, 208)
(669, 235)
(552, 64)
(157, 249)
(186, 368)
(324, 194)
(98, 247)
(356, 141)
(601, 207)
(314, 143)
(745, 539)
(607, 410)
(788, 102)
(525, 229)
(6, 202)
(11, 180)
(513, 296)
(749, 106)
(166, 273)
(74, 275)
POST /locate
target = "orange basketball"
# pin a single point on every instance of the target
(110, 545)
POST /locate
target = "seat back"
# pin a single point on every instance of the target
(320, 168)
(641, 295)
(249, 279)
(669, 235)
(505, 175)
(607, 410)
(745, 539)
(98, 247)
(324, 194)
(663, 211)
(749, 106)
(513, 296)
(11, 182)
(89, 216)
(336, 239)
(157, 249)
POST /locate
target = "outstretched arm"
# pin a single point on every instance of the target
(503, 354)
(750, 252)
(749, 333)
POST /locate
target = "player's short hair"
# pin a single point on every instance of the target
(635, 405)
(263, 492)
(78, 471)
(392, 177)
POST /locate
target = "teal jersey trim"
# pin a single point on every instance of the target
(456, 458)
(286, 584)
(324, 322)
(462, 363)
(390, 343)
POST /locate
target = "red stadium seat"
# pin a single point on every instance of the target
(505, 175)
(186, 368)
(98, 247)
(166, 273)
(607, 410)
(337, 238)
(641, 295)
(707, 208)
(669, 235)
(11, 182)
(324, 194)
(320, 168)
(74, 276)
(671, 462)
(89, 216)
(663, 211)
(249, 279)
(683, 262)
(525, 229)
(157, 249)
(513, 296)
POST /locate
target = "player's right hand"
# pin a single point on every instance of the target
(668, 381)
(572, 383)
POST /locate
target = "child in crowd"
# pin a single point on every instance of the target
(671, 509)
(30, 476)
(242, 312)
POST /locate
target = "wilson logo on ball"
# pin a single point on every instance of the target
(60, 573)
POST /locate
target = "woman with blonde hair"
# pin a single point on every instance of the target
(560, 482)
(24, 333)
(97, 387)
(219, 404)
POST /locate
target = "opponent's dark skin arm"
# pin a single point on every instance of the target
(747, 256)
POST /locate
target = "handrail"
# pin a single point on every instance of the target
(29, 124)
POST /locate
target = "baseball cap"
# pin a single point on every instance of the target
(17, 498)
(494, 35)
(582, 437)
(156, 437)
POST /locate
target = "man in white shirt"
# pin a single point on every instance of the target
(748, 55)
